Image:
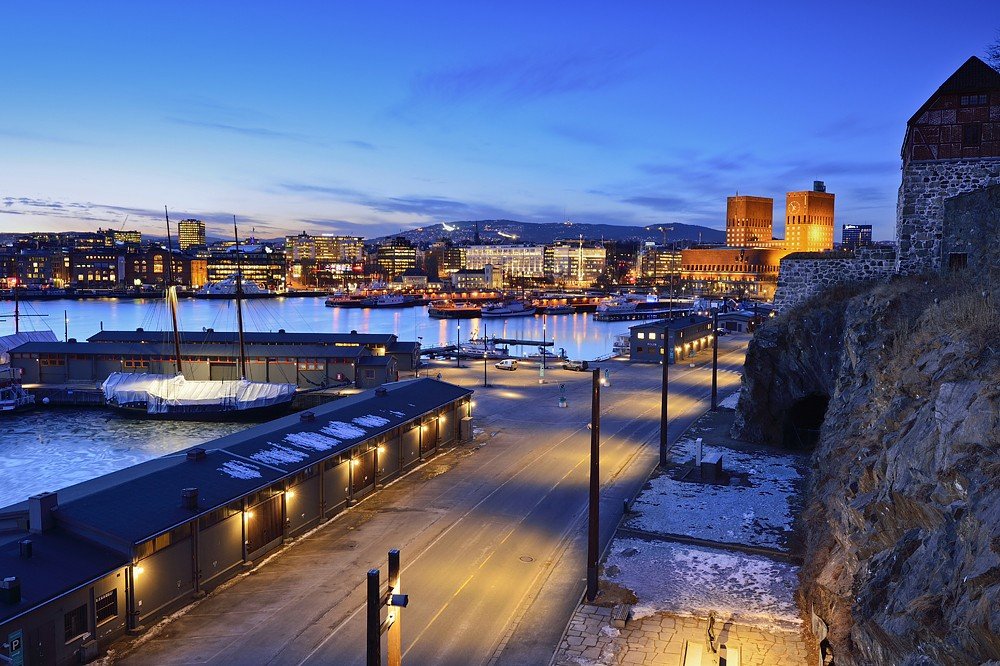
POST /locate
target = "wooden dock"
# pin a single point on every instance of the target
(639, 315)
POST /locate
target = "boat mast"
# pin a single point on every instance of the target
(170, 293)
(239, 303)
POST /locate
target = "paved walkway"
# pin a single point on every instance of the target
(661, 639)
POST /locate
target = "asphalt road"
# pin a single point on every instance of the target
(493, 535)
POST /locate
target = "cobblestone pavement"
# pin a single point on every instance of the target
(660, 639)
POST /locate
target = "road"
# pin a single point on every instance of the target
(493, 536)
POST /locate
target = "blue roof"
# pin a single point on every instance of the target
(675, 324)
(244, 462)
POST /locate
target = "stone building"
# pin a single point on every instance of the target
(809, 220)
(951, 147)
(749, 221)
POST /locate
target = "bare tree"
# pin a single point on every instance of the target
(993, 52)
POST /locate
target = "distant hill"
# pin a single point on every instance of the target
(492, 231)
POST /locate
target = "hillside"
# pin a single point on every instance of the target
(490, 231)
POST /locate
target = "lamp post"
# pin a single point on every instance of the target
(458, 344)
(541, 369)
(664, 392)
(485, 384)
(715, 359)
(594, 506)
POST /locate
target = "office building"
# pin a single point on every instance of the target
(511, 262)
(261, 264)
(190, 234)
(396, 257)
(854, 236)
(574, 263)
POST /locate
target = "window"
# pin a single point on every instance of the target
(972, 100)
(106, 606)
(957, 261)
(75, 623)
(972, 135)
(370, 374)
(641, 336)
(652, 336)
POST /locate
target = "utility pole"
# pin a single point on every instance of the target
(594, 523)
(374, 650)
(485, 384)
(664, 392)
(715, 359)
(395, 642)
(458, 344)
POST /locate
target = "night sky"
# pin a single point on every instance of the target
(370, 117)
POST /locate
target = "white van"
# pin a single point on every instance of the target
(506, 364)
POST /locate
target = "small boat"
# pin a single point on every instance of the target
(13, 398)
(510, 309)
(227, 289)
(559, 310)
(391, 301)
(483, 348)
(617, 304)
(450, 310)
(548, 355)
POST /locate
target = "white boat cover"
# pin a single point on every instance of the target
(161, 392)
(8, 342)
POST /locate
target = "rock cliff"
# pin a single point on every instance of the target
(902, 561)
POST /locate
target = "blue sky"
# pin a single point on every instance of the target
(370, 117)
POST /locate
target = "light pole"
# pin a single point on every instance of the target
(541, 369)
(484, 355)
(458, 344)
(664, 392)
(594, 506)
(715, 359)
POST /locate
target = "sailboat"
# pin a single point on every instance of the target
(13, 397)
(172, 397)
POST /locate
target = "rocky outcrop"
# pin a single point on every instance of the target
(903, 550)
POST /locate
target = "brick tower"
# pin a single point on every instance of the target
(951, 147)
(809, 220)
(749, 221)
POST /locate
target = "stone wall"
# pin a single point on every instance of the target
(803, 278)
(972, 229)
(920, 207)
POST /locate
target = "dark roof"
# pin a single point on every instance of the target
(251, 337)
(400, 347)
(59, 563)
(675, 324)
(973, 76)
(243, 462)
(215, 350)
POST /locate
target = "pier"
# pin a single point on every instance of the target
(640, 315)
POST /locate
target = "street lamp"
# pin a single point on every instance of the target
(458, 344)
(664, 392)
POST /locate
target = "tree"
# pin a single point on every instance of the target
(993, 52)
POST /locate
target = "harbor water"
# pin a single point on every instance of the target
(48, 449)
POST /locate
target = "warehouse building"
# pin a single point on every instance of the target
(120, 552)
(686, 337)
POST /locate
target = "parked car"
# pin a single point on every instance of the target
(506, 364)
(578, 366)
(721, 331)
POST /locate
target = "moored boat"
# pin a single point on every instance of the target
(509, 309)
(559, 310)
(453, 310)
(227, 289)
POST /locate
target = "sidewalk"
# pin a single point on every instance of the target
(690, 549)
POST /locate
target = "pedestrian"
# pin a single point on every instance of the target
(439, 376)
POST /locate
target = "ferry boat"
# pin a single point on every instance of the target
(510, 309)
(621, 345)
(480, 348)
(391, 301)
(559, 310)
(453, 310)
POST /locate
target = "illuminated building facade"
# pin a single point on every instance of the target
(749, 221)
(521, 261)
(574, 263)
(658, 263)
(322, 260)
(190, 233)
(853, 236)
(261, 264)
(150, 269)
(42, 268)
(96, 269)
(809, 220)
(396, 257)
(742, 272)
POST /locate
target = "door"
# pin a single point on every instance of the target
(41, 644)
(264, 525)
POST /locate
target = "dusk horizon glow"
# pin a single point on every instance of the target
(367, 120)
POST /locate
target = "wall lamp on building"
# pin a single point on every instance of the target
(137, 570)
(290, 494)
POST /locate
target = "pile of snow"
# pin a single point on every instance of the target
(758, 515)
(730, 401)
(240, 470)
(687, 580)
(342, 430)
(311, 440)
(276, 454)
(371, 421)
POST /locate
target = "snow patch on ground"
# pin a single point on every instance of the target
(240, 470)
(730, 401)
(759, 514)
(343, 430)
(278, 455)
(311, 440)
(371, 421)
(689, 580)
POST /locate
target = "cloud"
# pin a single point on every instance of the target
(582, 135)
(524, 78)
(663, 203)
(851, 126)
(38, 137)
(259, 132)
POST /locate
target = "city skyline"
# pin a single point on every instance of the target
(420, 115)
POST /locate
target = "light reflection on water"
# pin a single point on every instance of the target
(49, 449)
